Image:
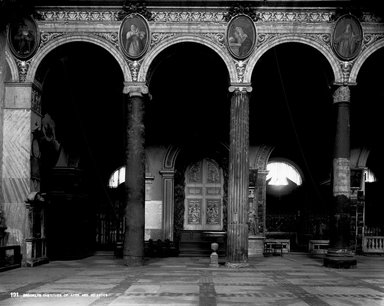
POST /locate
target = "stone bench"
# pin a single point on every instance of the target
(276, 246)
(10, 257)
(318, 246)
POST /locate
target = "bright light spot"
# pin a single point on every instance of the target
(281, 172)
(117, 178)
(369, 176)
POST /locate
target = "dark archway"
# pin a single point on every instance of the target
(366, 126)
(291, 110)
(82, 94)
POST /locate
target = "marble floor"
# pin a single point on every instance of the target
(294, 279)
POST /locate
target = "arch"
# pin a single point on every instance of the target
(259, 156)
(359, 157)
(362, 58)
(142, 76)
(170, 157)
(294, 38)
(77, 38)
(12, 66)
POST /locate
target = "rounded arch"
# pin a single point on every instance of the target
(77, 38)
(294, 39)
(259, 156)
(142, 76)
(12, 66)
(362, 58)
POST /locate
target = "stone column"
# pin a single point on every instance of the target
(237, 232)
(135, 174)
(261, 199)
(339, 254)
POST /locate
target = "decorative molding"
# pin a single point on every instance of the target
(218, 38)
(188, 16)
(157, 38)
(342, 94)
(240, 87)
(36, 100)
(370, 38)
(97, 15)
(79, 15)
(346, 68)
(240, 68)
(46, 37)
(134, 8)
(294, 16)
(135, 88)
(23, 67)
(323, 38)
(241, 10)
(112, 37)
(134, 67)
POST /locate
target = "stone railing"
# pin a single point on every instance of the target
(373, 244)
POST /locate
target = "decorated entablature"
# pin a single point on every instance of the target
(210, 26)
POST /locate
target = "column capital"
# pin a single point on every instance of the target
(243, 87)
(135, 88)
(342, 94)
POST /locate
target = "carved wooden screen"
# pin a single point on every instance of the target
(203, 196)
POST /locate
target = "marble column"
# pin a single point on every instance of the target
(237, 230)
(339, 254)
(133, 252)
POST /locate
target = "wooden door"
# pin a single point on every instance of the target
(203, 196)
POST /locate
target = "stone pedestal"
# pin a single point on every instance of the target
(256, 245)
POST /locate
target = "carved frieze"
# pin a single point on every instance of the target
(79, 15)
(112, 37)
(46, 37)
(370, 38)
(159, 37)
(294, 16)
(218, 38)
(188, 16)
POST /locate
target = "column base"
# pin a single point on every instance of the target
(133, 261)
(340, 259)
(236, 265)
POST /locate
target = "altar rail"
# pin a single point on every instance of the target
(373, 244)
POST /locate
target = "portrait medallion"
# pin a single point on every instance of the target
(134, 36)
(241, 36)
(347, 37)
